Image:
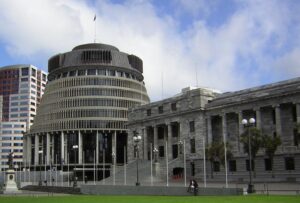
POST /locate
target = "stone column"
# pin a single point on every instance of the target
(48, 149)
(113, 143)
(258, 118)
(209, 129)
(298, 112)
(80, 148)
(278, 120)
(25, 149)
(29, 147)
(170, 135)
(36, 149)
(155, 137)
(97, 147)
(224, 126)
(52, 151)
(62, 146)
(145, 138)
(241, 129)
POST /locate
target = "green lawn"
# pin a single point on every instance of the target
(152, 199)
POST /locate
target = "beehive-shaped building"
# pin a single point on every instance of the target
(83, 114)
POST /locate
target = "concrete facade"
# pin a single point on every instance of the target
(82, 118)
(204, 115)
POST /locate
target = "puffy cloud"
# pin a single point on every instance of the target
(232, 55)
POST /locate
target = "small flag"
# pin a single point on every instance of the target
(95, 17)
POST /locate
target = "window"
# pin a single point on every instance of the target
(6, 126)
(274, 116)
(161, 151)
(216, 166)
(148, 112)
(33, 80)
(173, 107)
(160, 109)
(65, 74)
(44, 77)
(24, 79)
(72, 73)
(248, 166)
(91, 71)
(289, 163)
(33, 72)
(192, 126)
(268, 165)
(102, 72)
(193, 145)
(6, 138)
(81, 72)
(25, 71)
(6, 144)
(232, 165)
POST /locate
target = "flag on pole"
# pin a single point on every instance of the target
(95, 17)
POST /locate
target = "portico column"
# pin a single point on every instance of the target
(155, 136)
(258, 118)
(241, 129)
(170, 151)
(97, 147)
(209, 130)
(278, 120)
(62, 146)
(36, 149)
(48, 149)
(29, 146)
(298, 112)
(80, 147)
(145, 143)
(113, 143)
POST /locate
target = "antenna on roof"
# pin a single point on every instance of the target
(95, 18)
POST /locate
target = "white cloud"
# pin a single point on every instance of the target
(224, 56)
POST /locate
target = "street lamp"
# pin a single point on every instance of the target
(41, 161)
(180, 143)
(113, 154)
(248, 124)
(137, 138)
(75, 147)
(155, 151)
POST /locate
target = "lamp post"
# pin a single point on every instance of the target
(248, 124)
(113, 154)
(180, 143)
(137, 138)
(155, 151)
(40, 157)
(75, 147)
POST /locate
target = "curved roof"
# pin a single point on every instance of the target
(96, 46)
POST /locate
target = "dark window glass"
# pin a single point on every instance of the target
(268, 166)
(72, 73)
(289, 163)
(81, 72)
(161, 151)
(274, 116)
(148, 112)
(232, 165)
(25, 71)
(248, 166)
(192, 126)
(216, 166)
(91, 72)
(160, 109)
(193, 145)
(173, 107)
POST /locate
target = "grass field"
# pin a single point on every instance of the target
(151, 199)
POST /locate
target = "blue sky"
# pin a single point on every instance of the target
(222, 44)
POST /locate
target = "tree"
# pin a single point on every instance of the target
(256, 141)
(212, 152)
(215, 152)
(271, 144)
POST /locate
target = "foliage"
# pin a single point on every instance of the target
(216, 152)
(256, 140)
(271, 144)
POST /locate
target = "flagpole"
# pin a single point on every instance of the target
(95, 18)
(68, 169)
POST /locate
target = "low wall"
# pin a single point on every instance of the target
(154, 190)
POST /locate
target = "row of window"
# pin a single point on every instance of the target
(25, 72)
(5, 144)
(99, 92)
(161, 109)
(7, 132)
(92, 102)
(81, 113)
(101, 72)
(12, 126)
(98, 82)
(10, 150)
(289, 164)
(76, 124)
(13, 138)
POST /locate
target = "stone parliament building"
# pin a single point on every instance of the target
(197, 116)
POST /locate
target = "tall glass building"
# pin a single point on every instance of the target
(21, 89)
(82, 117)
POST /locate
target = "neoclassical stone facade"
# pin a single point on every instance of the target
(81, 120)
(199, 116)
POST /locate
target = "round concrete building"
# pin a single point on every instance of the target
(82, 116)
